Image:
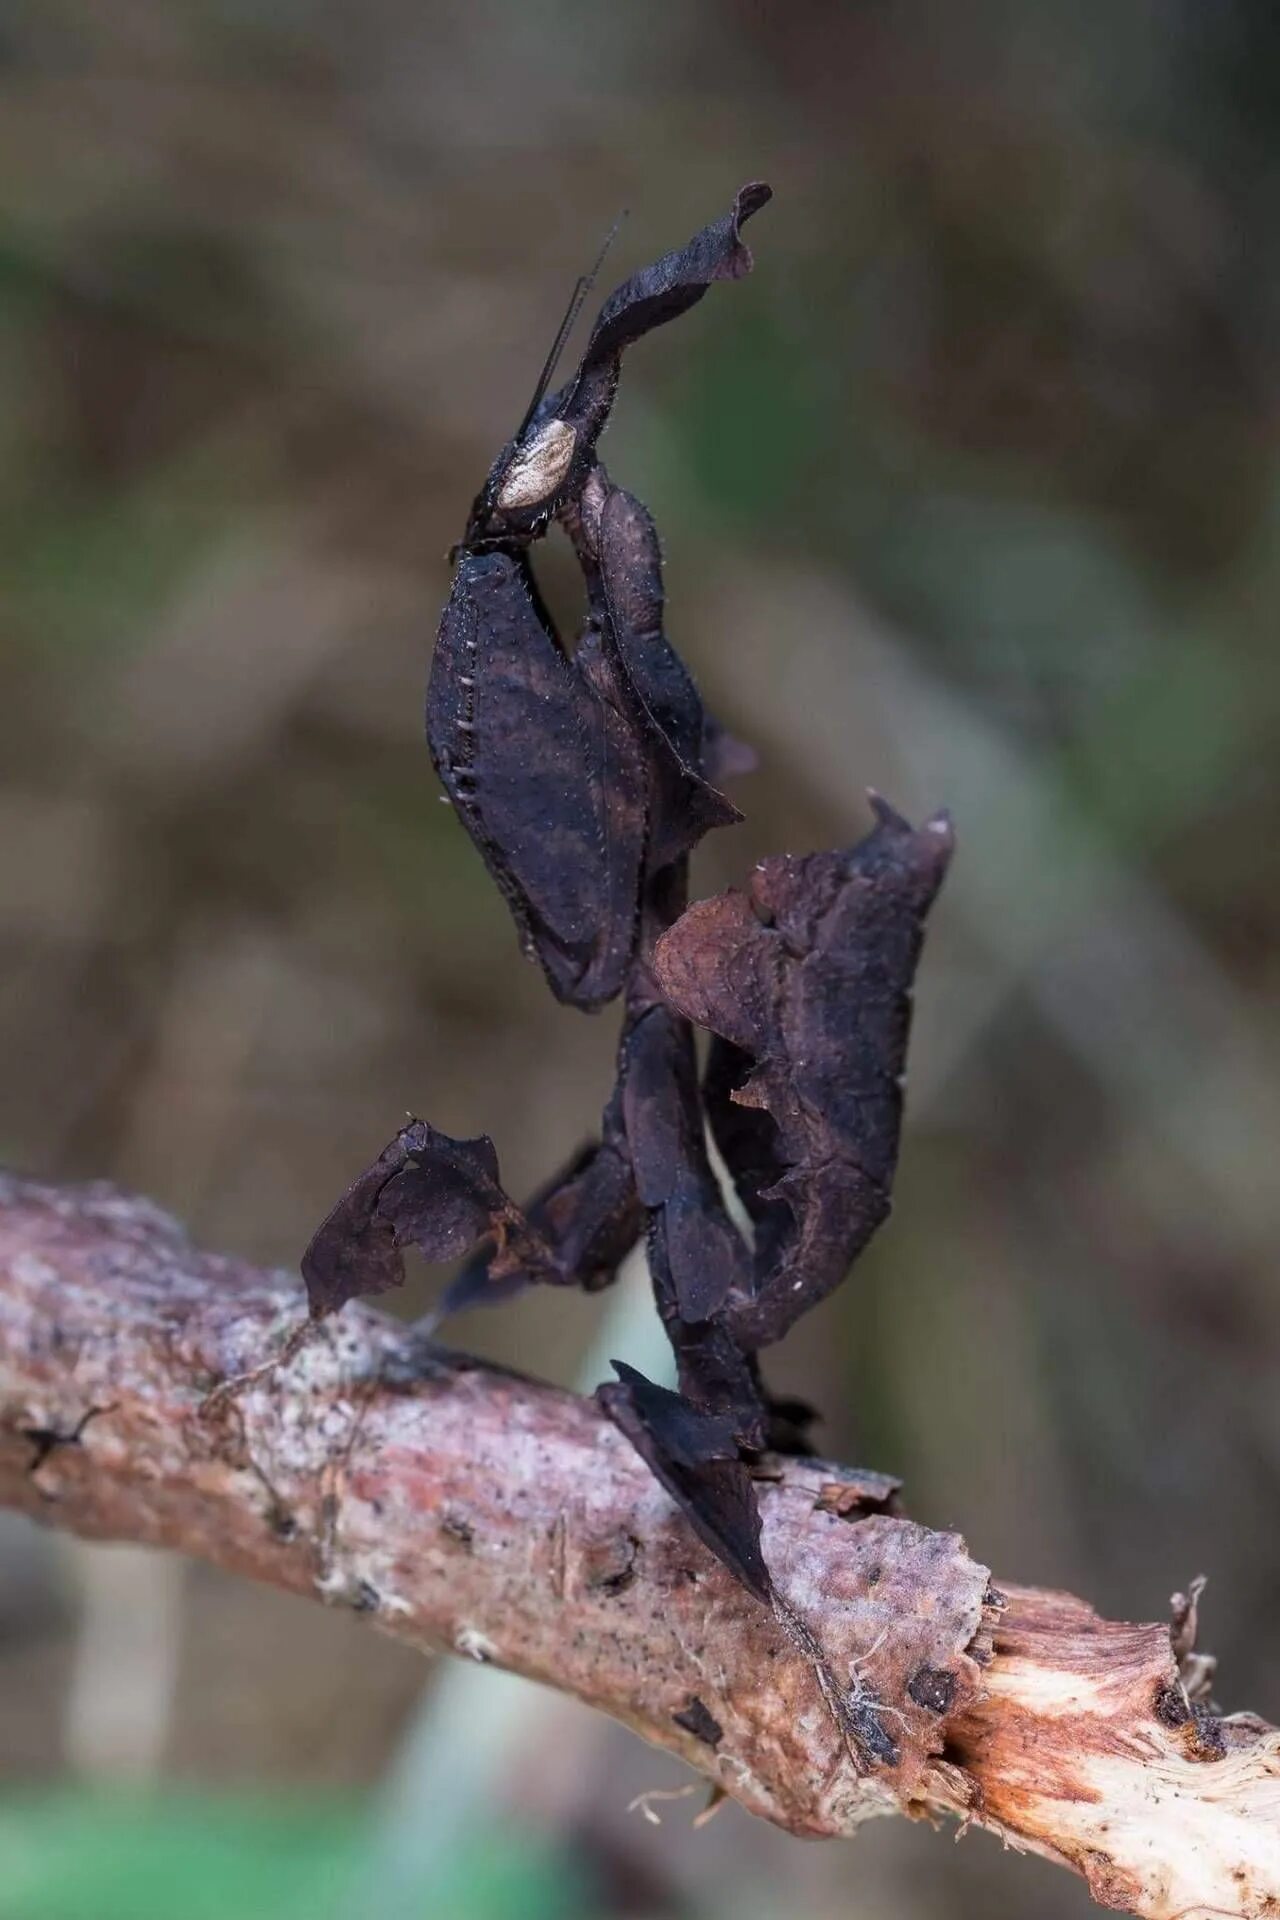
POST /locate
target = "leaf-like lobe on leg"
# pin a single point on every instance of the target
(427, 1190)
(664, 702)
(590, 1216)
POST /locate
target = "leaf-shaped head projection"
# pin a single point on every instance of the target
(808, 976)
(547, 460)
(583, 779)
(579, 776)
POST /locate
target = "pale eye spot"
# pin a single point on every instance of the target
(538, 466)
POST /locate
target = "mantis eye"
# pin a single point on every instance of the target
(538, 467)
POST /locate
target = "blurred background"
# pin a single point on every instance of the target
(970, 493)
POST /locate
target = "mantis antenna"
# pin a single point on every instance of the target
(581, 289)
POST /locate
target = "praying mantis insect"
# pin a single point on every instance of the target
(586, 776)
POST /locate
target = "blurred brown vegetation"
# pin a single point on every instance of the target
(970, 493)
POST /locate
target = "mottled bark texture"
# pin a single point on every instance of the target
(152, 1392)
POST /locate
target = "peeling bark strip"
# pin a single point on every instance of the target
(462, 1507)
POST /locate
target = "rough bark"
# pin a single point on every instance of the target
(152, 1392)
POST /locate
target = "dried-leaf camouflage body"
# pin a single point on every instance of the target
(805, 981)
(586, 777)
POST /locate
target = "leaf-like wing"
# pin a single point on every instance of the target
(808, 977)
(545, 775)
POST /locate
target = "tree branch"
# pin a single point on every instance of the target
(152, 1392)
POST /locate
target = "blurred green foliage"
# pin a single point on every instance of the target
(105, 1857)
